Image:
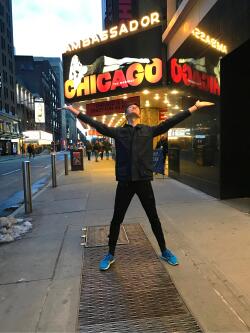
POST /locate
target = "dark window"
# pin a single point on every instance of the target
(7, 108)
(4, 59)
(6, 93)
(1, 10)
(10, 66)
(2, 26)
(5, 77)
(3, 43)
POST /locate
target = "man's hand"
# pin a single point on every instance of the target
(199, 104)
(71, 109)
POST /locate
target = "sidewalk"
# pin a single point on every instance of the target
(40, 275)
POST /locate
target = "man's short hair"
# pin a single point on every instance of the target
(129, 104)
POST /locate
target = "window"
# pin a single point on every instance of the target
(5, 77)
(6, 93)
(1, 10)
(4, 59)
(7, 108)
(3, 43)
(1, 26)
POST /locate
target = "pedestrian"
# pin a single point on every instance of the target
(107, 148)
(89, 148)
(96, 150)
(163, 144)
(134, 171)
(101, 149)
(29, 149)
(33, 151)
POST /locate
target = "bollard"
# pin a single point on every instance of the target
(66, 164)
(27, 187)
(53, 169)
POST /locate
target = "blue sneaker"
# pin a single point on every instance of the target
(106, 262)
(169, 257)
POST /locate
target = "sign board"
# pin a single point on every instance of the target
(119, 66)
(110, 107)
(39, 112)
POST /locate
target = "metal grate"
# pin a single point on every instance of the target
(135, 295)
(98, 236)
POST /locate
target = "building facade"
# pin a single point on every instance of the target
(116, 12)
(207, 43)
(9, 131)
(40, 79)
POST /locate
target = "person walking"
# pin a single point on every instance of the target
(96, 149)
(107, 148)
(134, 171)
(29, 149)
(89, 148)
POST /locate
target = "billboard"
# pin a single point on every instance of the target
(39, 112)
(114, 67)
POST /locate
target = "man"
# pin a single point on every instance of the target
(134, 171)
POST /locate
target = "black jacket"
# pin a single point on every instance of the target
(134, 145)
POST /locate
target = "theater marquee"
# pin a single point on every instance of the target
(120, 66)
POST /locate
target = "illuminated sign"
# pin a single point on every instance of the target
(195, 78)
(133, 75)
(110, 107)
(39, 112)
(116, 31)
(212, 42)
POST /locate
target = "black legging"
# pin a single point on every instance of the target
(124, 194)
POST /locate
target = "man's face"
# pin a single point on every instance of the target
(133, 111)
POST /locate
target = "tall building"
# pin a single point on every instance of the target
(118, 11)
(9, 131)
(25, 108)
(56, 64)
(40, 79)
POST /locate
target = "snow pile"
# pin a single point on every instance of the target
(12, 228)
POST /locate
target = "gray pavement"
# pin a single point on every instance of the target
(40, 275)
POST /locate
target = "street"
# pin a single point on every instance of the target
(11, 179)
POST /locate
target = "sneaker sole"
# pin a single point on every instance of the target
(164, 259)
(105, 269)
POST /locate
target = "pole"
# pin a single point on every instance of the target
(27, 187)
(53, 169)
(66, 164)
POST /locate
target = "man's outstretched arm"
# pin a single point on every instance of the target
(99, 126)
(164, 126)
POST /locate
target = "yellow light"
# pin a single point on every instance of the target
(94, 118)
(174, 92)
(157, 97)
(207, 39)
(147, 103)
(116, 31)
(145, 92)
(176, 107)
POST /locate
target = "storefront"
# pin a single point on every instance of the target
(211, 149)
(123, 64)
(9, 135)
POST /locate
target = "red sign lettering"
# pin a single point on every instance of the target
(190, 77)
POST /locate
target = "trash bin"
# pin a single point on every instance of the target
(76, 159)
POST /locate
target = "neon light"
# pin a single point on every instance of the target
(116, 31)
(103, 82)
(213, 42)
